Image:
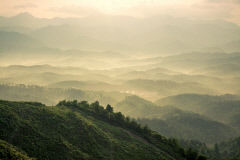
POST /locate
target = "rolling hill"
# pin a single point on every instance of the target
(13, 41)
(162, 34)
(167, 87)
(173, 122)
(223, 108)
(51, 96)
(190, 126)
(83, 85)
(73, 130)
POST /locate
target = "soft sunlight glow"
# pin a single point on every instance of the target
(204, 9)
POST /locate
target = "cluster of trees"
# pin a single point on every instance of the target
(63, 133)
(229, 150)
(109, 115)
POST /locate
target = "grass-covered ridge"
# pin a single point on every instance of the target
(78, 130)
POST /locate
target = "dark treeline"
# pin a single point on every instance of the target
(118, 119)
(229, 150)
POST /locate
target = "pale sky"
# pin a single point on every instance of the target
(205, 9)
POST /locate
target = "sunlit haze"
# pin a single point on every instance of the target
(205, 9)
(120, 80)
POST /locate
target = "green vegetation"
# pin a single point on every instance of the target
(223, 108)
(174, 77)
(191, 126)
(7, 152)
(227, 150)
(78, 130)
(174, 122)
(137, 107)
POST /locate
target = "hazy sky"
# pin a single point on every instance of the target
(205, 9)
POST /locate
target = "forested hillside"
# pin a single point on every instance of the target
(229, 149)
(175, 122)
(78, 130)
(8, 151)
(225, 108)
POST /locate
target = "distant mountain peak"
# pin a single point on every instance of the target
(23, 15)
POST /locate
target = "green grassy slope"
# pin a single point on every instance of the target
(74, 130)
(7, 151)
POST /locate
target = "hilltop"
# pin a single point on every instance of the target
(78, 130)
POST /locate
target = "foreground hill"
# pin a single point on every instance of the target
(73, 130)
(8, 151)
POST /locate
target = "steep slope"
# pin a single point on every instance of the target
(8, 151)
(75, 130)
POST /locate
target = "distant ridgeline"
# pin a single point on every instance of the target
(78, 130)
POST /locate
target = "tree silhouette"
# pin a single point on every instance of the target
(109, 108)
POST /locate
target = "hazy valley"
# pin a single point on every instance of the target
(57, 75)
